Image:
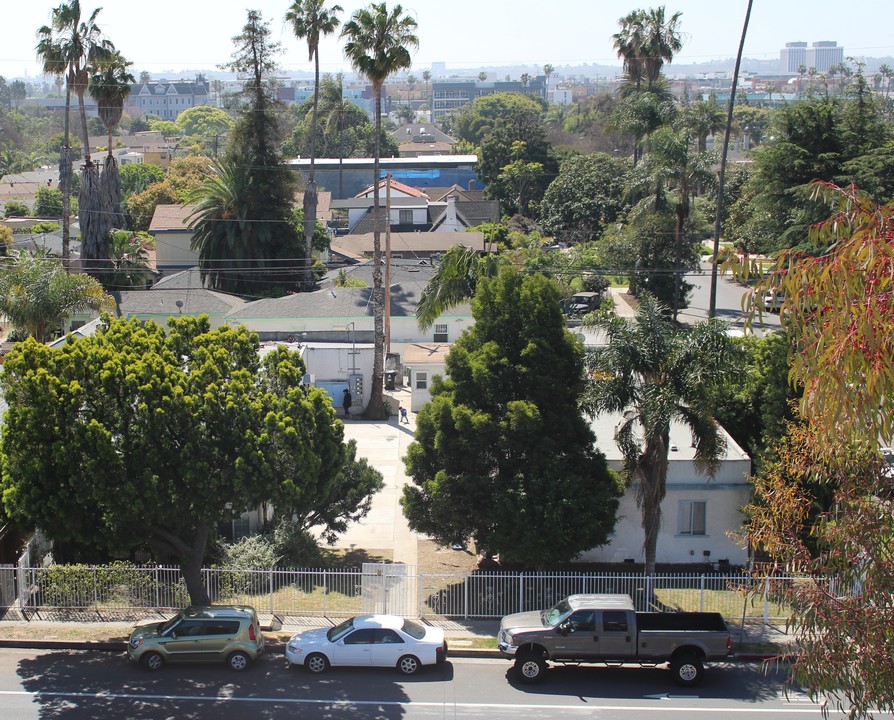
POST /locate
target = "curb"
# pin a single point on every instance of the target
(279, 647)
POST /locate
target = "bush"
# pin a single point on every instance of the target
(45, 226)
(14, 208)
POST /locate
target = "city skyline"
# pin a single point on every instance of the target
(169, 38)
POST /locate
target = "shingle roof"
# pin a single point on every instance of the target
(170, 217)
(408, 280)
(470, 214)
(401, 135)
(404, 242)
(185, 286)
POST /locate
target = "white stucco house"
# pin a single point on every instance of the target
(698, 513)
(422, 361)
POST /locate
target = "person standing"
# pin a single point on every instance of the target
(403, 415)
(346, 402)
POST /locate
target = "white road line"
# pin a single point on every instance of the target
(389, 703)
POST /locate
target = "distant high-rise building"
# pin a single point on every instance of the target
(824, 54)
(820, 55)
(439, 69)
(792, 56)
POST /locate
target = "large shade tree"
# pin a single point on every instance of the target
(502, 453)
(311, 19)
(377, 44)
(654, 374)
(141, 437)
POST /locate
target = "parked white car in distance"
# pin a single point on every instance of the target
(369, 641)
(773, 300)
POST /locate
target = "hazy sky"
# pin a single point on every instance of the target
(171, 36)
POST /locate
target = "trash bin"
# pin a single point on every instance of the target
(389, 379)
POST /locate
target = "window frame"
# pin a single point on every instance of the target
(687, 525)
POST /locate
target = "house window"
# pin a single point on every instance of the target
(405, 217)
(422, 381)
(441, 333)
(692, 517)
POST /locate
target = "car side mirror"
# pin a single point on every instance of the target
(562, 629)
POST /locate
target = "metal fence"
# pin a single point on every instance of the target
(384, 588)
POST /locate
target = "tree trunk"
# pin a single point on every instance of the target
(652, 475)
(310, 189)
(375, 408)
(65, 180)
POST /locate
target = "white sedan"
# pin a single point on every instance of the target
(369, 640)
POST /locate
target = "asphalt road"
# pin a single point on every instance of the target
(728, 306)
(85, 685)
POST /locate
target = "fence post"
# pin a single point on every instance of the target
(325, 593)
(766, 601)
(466, 597)
(271, 591)
(701, 601)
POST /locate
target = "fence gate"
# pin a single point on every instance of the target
(7, 587)
(389, 589)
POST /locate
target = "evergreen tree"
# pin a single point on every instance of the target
(502, 453)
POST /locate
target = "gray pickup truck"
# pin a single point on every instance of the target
(607, 629)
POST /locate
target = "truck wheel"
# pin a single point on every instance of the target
(530, 668)
(687, 669)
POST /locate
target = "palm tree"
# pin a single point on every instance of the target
(221, 226)
(629, 43)
(525, 79)
(704, 118)
(110, 87)
(482, 76)
(454, 282)
(655, 374)
(377, 43)
(662, 42)
(311, 20)
(548, 70)
(37, 294)
(671, 166)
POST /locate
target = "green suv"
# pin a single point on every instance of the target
(213, 633)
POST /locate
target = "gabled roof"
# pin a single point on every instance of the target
(470, 214)
(395, 185)
(366, 225)
(460, 193)
(171, 218)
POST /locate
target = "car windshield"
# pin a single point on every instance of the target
(413, 629)
(556, 613)
(340, 630)
(166, 627)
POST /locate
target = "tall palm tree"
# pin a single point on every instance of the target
(377, 45)
(662, 41)
(548, 70)
(311, 20)
(70, 46)
(109, 87)
(655, 374)
(629, 43)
